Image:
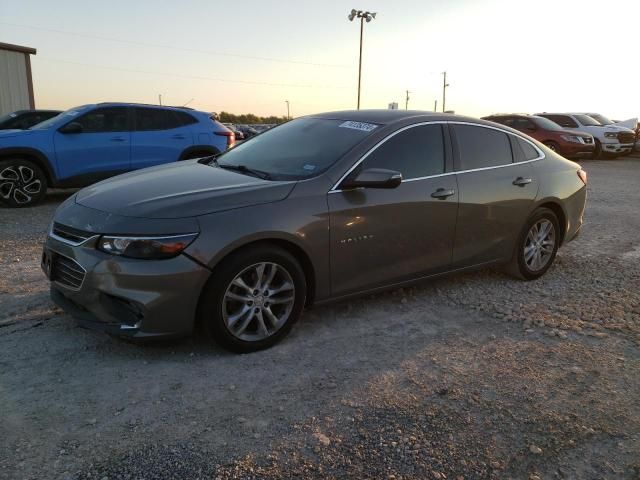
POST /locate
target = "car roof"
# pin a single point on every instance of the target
(133, 104)
(382, 116)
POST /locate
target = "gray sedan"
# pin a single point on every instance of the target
(321, 208)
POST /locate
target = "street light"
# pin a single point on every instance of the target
(362, 15)
(288, 116)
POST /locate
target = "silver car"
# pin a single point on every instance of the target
(318, 209)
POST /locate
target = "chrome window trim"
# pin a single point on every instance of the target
(69, 242)
(540, 156)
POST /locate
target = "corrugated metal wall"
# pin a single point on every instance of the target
(14, 86)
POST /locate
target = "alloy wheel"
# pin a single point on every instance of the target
(19, 183)
(539, 245)
(258, 302)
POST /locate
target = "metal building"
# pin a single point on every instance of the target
(16, 83)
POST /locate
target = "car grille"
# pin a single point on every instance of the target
(67, 271)
(626, 137)
(70, 234)
(587, 140)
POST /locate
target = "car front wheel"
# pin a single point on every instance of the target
(253, 299)
(22, 183)
(537, 246)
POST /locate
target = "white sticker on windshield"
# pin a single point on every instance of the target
(309, 167)
(365, 127)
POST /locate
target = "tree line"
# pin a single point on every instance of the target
(248, 118)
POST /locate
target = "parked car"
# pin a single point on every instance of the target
(567, 143)
(93, 142)
(306, 213)
(611, 140)
(24, 119)
(236, 131)
(248, 131)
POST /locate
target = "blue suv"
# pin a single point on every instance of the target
(93, 142)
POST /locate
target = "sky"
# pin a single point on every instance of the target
(252, 56)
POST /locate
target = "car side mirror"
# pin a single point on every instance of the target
(373, 178)
(72, 127)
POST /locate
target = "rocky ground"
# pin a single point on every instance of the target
(469, 377)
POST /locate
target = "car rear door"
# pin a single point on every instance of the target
(497, 186)
(160, 136)
(100, 149)
(380, 236)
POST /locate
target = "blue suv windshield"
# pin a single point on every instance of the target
(298, 149)
(59, 119)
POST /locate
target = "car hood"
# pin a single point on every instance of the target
(181, 189)
(14, 133)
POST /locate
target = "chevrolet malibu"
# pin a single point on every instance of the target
(321, 208)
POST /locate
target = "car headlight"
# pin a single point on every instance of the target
(611, 135)
(146, 247)
(571, 138)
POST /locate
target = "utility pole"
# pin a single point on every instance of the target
(444, 90)
(160, 98)
(288, 115)
(406, 101)
(368, 16)
(435, 105)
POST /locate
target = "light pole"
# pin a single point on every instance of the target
(444, 91)
(406, 101)
(362, 15)
(288, 116)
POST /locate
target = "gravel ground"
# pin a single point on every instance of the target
(471, 376)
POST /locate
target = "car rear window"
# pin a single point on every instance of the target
(298, 149)
(481, 147)
(529, 152)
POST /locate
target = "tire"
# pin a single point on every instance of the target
(553, 146)
(268, 316)
(22, 183)
(597, 153)
(522, 265)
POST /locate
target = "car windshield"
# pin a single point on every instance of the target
(73, 112)
(587, 121)
(601, 119)
(546, 123)
(298, 149)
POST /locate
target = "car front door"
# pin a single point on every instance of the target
(160, 136)
(497, 186)
(381, 236)
(97, 148)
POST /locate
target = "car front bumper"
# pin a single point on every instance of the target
(577, 150)
(123, 296)
(617, 147)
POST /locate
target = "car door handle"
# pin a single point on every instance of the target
(117, 139)
(521, 181)
(178, 137)
(442, 193)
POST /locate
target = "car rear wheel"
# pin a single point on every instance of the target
(22, 183)
(537, 246)
(253, 299)
(553, 146)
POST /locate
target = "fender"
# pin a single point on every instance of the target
(37, 156)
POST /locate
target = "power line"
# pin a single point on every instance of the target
(193, 77)
(174, 47)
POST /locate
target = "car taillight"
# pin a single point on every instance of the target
(583, 176)
(231, 138)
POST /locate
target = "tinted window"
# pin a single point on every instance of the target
(481, 147)
(523, 124)
(508, 121)
(587, 121)
(415, 152)
(527, 149)
(298, 149)
(155, 119)
(110, 119)
(562, 120)
(546, 124)
(183, 118)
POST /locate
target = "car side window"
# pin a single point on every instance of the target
(108, 119)
(481, 147)
(183, 118)
(563, 120)
(415, 152)
(523, 125)
(150, 119)
(529, 152)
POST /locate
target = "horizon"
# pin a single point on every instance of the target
(500, 57)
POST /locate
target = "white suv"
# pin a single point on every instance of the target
(611, 140)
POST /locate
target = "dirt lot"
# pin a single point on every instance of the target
(473, 376)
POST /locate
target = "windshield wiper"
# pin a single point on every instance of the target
(245, 169)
